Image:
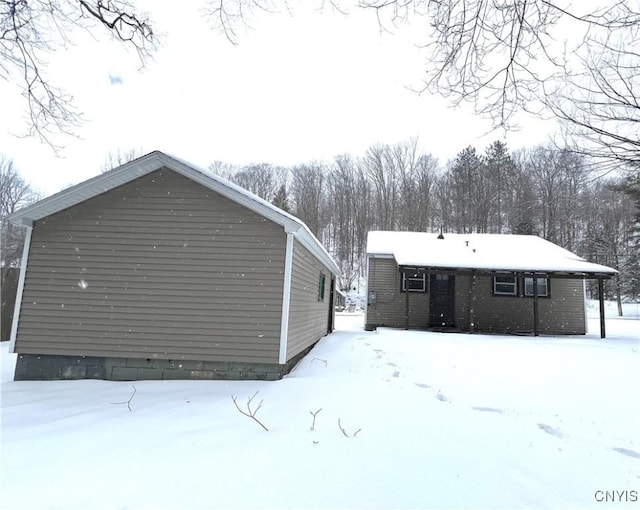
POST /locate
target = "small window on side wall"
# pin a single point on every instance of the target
(414, 281)
(505, 285)
(543, 287)
(321, 284)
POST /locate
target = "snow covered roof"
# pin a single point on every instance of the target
(491, 252)
(154, 161)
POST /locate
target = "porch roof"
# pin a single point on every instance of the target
(486, 252)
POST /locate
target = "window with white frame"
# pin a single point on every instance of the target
(505, 285)
(414, 280)
(543, 287)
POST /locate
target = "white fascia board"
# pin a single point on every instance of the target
(88, 189)
(258, 205)
(309, 241)
(155, 161)
(235, 193)
(286, 300)
(20, 290)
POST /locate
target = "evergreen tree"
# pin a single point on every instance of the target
(631, 283)
(281, 199)
(500, 170)
(466, 178)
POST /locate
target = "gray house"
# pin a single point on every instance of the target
(477, 282)
(159, 270)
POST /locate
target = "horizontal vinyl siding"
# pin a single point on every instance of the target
(390, 306)
(463, 301)
(561, 313)
(308, 317)
(158, 268)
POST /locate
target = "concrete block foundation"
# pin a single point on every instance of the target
(38, 367)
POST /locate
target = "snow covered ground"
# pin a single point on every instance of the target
(430, 420)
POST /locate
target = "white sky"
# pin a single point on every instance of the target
(300, 86)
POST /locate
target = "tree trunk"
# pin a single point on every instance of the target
(619, 295)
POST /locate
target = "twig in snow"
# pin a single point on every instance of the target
(345, 432)
(313, 424)
(341, 429)
(320, 359)
(128, 402)
(250, 413)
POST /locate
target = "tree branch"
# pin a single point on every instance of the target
(250, 413)
(31, 29)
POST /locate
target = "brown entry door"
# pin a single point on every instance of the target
(442, 300)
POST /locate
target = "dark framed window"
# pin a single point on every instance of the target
(321, 285)
(413, 280)
(543, 287)
(505, 285)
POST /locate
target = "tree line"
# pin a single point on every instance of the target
(554, 193)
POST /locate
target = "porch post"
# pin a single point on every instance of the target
(535, 305)
(332, 305)
(406, 307)
(603, 333)
(472, 318)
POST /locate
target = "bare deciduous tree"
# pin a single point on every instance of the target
(15, 192)
(558, 178)
(600, 103)
(350, 212)
(120, 157)
(517, 55)
(31, 29)
(381, 170)
(308, 192)
(223, 169)
(575, 61)
(229, 16)
(263, 179)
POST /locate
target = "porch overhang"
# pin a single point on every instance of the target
(487, 254)
(600, 276)
(573, 275)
